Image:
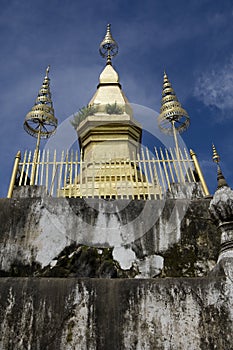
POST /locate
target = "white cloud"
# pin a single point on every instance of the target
(214, 87)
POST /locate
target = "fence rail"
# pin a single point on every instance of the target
(146, 175)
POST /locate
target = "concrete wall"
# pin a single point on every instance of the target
(53, 314)
(119, 244)
(146, 238)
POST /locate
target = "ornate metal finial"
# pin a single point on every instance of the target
(173, 118)
(216, 158)
(41, 120)
(172, 115)
(108, 47)
(47, 71)
(220, 177)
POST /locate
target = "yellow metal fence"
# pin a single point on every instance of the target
(146, 175)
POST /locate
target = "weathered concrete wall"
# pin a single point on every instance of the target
(145, 238)
(119, 242)
(54, 314)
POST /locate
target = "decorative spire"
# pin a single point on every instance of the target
(221, 210)
(47, 71)
(216, 158)
(220, 177)
(108, 47)
(171, 111)
(40, 121)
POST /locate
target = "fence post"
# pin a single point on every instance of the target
(14, 173)
(199, 172)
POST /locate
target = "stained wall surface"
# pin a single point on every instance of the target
(171, 238)
(95, 274)
(53, 314)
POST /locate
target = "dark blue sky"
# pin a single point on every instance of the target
(191, 40)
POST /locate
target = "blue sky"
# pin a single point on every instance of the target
(191, 40)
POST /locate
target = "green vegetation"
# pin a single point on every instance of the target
(113, 109)
(82, 114)
(69, 336)
(85, 111)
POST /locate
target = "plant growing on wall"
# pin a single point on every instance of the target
(82, 114)
(113, 109)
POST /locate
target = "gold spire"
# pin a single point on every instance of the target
(172, 118)
(41, 120)
(171, 111)
(216, 158)
(220, 177)
(47, 71)
(108, 47)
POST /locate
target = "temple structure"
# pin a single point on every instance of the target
(112, 162)
(113, 246)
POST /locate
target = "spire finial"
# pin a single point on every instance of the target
(173, 118)
(216, 158)
(171, 111)
(47, 71)
(40, 121)
(108, 47)
(220, 177)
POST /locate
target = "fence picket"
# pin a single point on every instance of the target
(22, 169)
(190, 165)
(140, 177)
(165, 169)
(28, 168)
(160, 170)
(169, 166)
